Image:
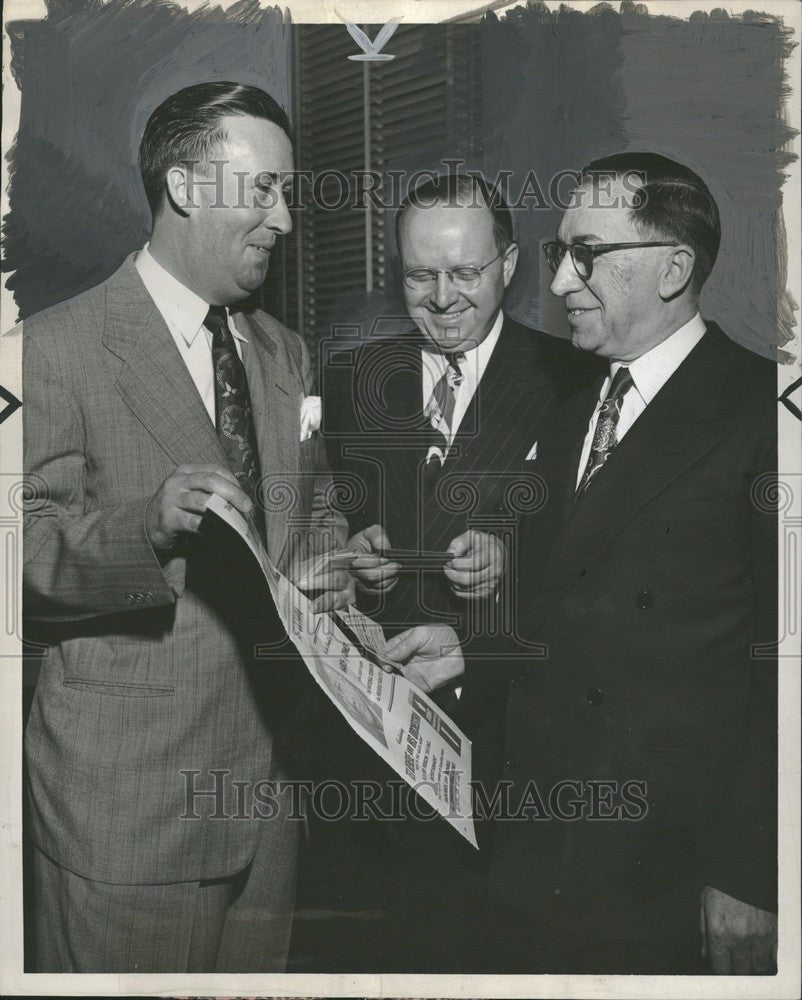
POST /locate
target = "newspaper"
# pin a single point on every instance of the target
(394, 717)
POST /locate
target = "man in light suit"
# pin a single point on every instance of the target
(642, 739)
(164, 681)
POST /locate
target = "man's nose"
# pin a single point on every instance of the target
(278, 217)
(566, 278)
(444, 293)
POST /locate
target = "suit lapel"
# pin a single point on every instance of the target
(676, 429)
(560, 453)
(156, 386)
(277, 410)
(512, 394)
(514, 390)
(153, 380)
(476, 445)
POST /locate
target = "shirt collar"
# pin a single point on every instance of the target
(182, 309)
(652, 370)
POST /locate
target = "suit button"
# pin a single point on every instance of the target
(149, 597)
(139, 599)
(511, 761)
(518, 680)
(594, 696)
(129, 599)
(644, 600)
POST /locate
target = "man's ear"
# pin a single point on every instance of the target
(179, 190)
(677, 272)
(510, 262)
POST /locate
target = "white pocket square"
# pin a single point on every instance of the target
(532, 455)
(311, 414)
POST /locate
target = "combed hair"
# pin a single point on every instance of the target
(186, 128)
(671, 201)
(456, 189)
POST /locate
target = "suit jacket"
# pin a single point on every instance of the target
(378, 439)
(654, 598)
(151, 676)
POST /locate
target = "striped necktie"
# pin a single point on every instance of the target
(441, 410)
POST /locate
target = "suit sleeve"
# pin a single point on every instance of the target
(78, 563)
(743, 852)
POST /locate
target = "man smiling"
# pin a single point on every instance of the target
(448, 412)
(228, 212)
(457, 400)
(143, 396)
(650, 581)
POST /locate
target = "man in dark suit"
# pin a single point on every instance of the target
(142, 397)
(431, 436)
(642, 739)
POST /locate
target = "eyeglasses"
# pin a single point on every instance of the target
(583, 254)
(421, 279)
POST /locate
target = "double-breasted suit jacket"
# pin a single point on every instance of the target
(654, 599)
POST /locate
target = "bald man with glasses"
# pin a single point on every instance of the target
(433, 430)
(448, 411)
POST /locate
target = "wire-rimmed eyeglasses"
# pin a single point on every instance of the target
(464, 277)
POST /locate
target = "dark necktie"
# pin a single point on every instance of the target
(604, 437)
(444, 400)
(234, 417)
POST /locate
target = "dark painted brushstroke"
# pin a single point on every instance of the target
(708, 91)
(556, 89)
(556, 102)
(89, 76)
(723, 116)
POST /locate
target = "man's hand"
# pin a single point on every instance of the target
(739, 939)
(429, 655)
(372, 572)
(178, 505)
(316, 575)
(478, 563)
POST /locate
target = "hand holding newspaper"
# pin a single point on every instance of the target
(350, 660)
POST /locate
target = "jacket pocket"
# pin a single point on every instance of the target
(119, 689)
(106, 665)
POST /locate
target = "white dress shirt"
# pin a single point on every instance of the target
(184, 312)
(649, 372)
(435, 365)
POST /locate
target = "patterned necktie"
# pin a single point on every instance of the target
(441, 411)
(604, 437)
(234, 417)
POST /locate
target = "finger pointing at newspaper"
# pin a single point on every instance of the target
(429, 656)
